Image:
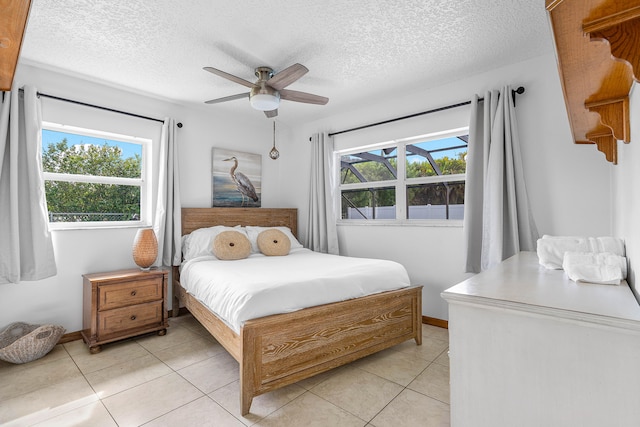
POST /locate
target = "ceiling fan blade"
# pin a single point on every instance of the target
(287, 76)
(307, 98)
(271, 113)
(227, 98)
(228, 76)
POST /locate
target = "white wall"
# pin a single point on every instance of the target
(59, 299)
(626, 191)
(568, 184)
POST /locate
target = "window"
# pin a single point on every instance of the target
(94, 179)
(419, 178)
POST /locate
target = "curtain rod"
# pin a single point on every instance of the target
(57, 98)
(520, 90)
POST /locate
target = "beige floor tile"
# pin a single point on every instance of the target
(202, 412)
(47, 402)
(25, 378)
(396, 366)
(190, 323)
(443, 359)
(434, 382)
(91, 415)
(436, 332)
(430, 349)
(229, 398)
(76, 347)
(111, 354)
(57, 352)
(150, 400)
(309, 410)
(180, 320)
(358, 392)
(188, 353)
(137, 382)
(175, 336)
(212, 373)
(411, 409)
(313, 381)
(125, 375)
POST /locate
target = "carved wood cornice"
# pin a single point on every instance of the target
(598, 51)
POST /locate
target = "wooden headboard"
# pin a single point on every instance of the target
(194, 218)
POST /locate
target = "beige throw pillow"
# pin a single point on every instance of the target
(274, 242)
(231, 245)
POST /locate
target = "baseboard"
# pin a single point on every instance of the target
(435, 322)
(71, 336)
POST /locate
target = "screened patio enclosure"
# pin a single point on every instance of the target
(405, 180)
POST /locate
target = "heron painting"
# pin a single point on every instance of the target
(236, 178)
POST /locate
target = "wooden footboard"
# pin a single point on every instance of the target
(282, 349)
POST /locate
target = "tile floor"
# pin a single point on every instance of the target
(186, 378)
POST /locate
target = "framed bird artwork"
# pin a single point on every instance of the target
(236, 179)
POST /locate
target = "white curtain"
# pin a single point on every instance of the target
(167, 223)
(26, 248)
(497, 222)
(322, 234)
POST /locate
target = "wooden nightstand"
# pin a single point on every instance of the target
(123, 304)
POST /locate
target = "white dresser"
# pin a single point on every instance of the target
(529, 347)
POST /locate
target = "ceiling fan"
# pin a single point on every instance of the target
(269, 89)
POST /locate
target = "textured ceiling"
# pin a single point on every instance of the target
(354, 49)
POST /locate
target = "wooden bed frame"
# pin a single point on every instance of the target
(279, 350)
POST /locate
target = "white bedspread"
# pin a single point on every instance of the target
(259, 286)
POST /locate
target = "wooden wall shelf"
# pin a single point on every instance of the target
(13, 22)
(598, 51)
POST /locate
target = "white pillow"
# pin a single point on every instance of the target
(253, 232)
(200, 242)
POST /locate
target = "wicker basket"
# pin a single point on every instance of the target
(21, 342)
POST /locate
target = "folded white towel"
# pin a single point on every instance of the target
(551, 249)
(604, 268)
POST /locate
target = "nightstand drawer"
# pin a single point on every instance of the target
(119, 320)
(129, 293)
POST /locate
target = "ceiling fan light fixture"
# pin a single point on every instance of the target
(265, 101)
(263, 97)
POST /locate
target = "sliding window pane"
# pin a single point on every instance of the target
(375, 203)
(443, 200)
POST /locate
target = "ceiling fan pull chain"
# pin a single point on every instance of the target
(274, 153)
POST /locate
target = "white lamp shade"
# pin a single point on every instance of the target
(265, 101)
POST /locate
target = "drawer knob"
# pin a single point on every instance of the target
(133, 293)
(133, 317)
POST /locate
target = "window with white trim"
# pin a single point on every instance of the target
(418, 178)
(95, 179)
